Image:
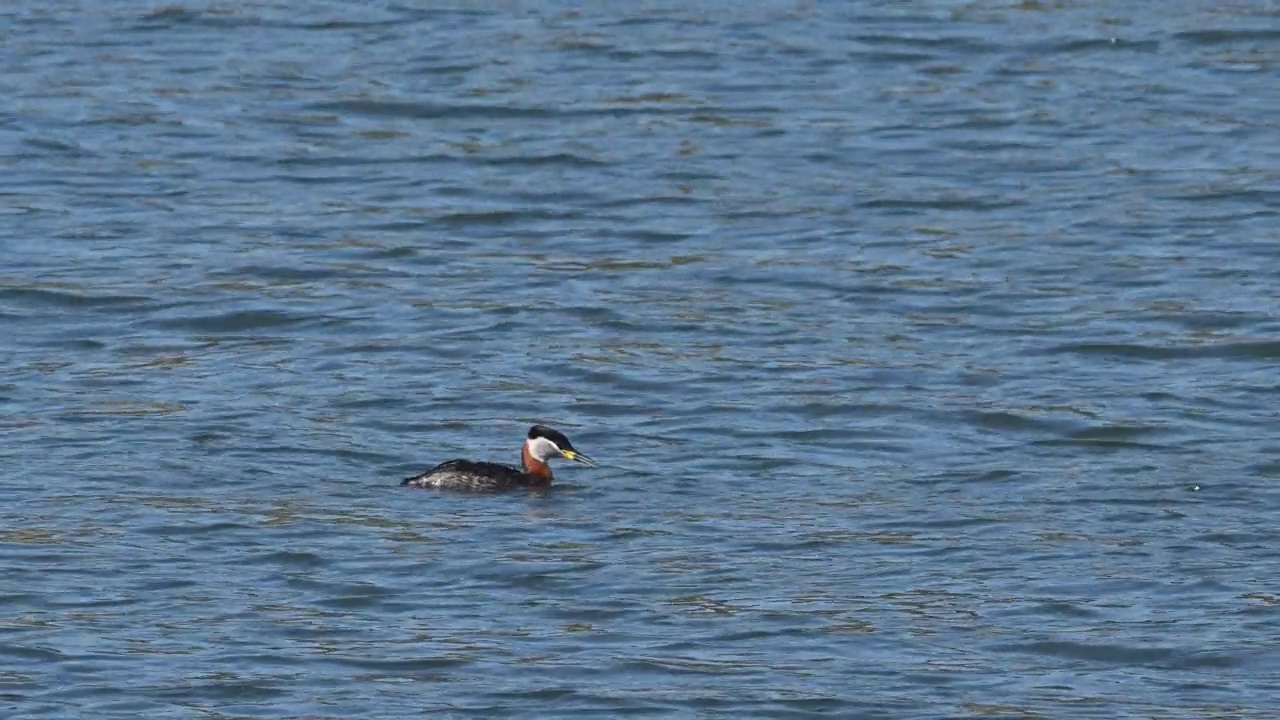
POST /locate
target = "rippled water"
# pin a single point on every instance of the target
(930, 347)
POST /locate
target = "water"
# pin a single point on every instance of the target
(930, 348)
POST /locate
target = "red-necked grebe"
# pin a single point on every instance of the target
(542, 445)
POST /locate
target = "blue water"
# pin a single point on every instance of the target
(929, 348)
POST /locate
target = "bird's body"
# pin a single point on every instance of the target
(473, 476)
(542, 445)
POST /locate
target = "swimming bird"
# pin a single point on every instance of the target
(542, 445)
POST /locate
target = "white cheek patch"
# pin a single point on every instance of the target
(542, 449)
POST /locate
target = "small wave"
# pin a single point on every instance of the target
(1266, 350)
(234, 322)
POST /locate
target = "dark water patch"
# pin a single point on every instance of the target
(193, 529)
(880, 56)
(1268, 469)
(245, 321)
(119, 409)
(56, 145)
(1203, 321)
(1235, 539)
(505, 216)
(290, 273)
(1004, 421)
(69, 298)
(479, 111)
(941, 203)
(943, 524)
(167, 17)
(686, 175)
(409, 668)
(167, 584)
(1237, 350)
(821, 410)
(357, 602)
(340, 589)
(963, 45)
(398, 226)
(292, 559)
(553, 159)
(221, 690)
(667, 665)
(1062, 609)
(74, 343)
(1105, 44)
(998, 476)
(1227, 36)
(1117, 655)
(1110, 433)
(331, 162)
(1266, 198)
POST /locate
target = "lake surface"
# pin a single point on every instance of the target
(930, 350)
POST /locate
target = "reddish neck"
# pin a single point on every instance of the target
(534, 466)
